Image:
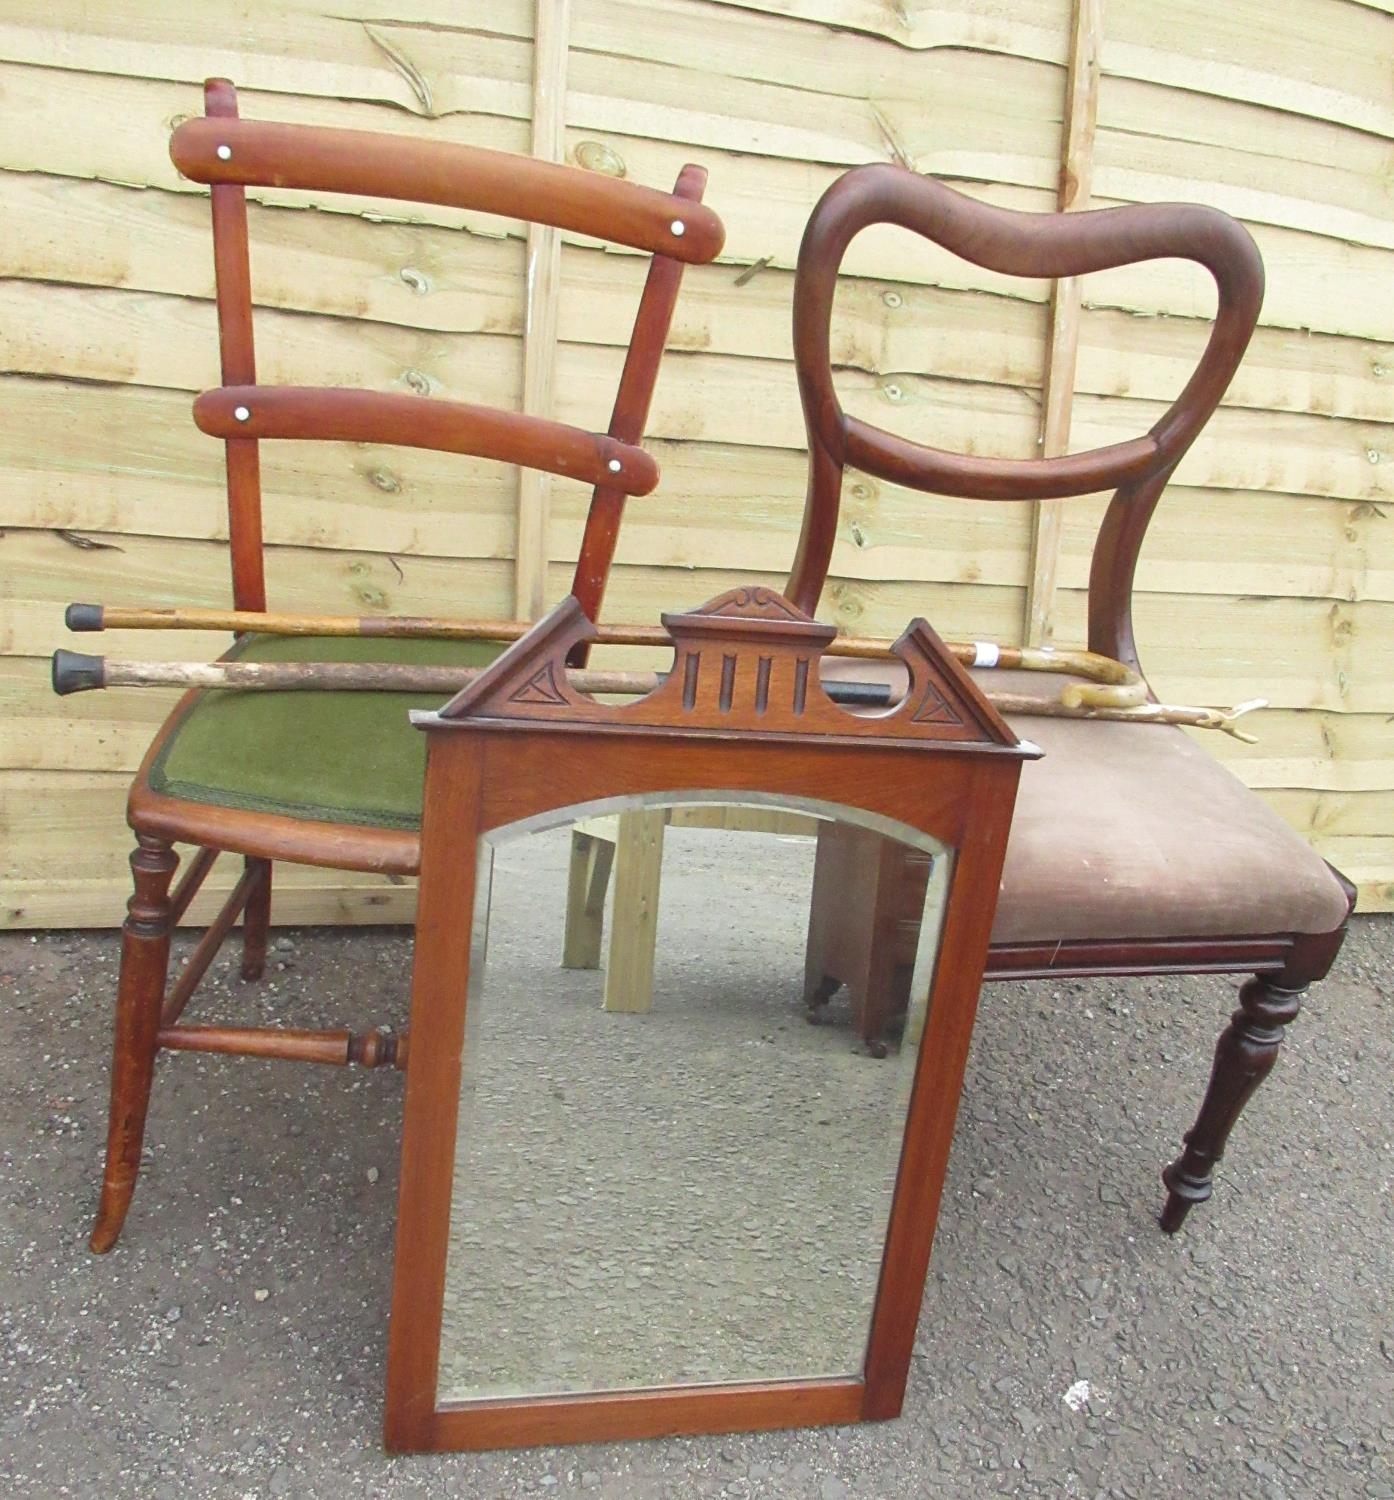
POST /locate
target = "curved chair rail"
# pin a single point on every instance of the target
(253, 153)
(355, 416)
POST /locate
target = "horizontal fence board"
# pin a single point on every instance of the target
(1366, 861)
(1309, 749)
(312, 52)
(1326, 60)
(1297, 653)
(41, 565)
(320, 901)
(1312, 282)
(155, 341)
(101, 236)
(133, 462)
(1160, 145)
(950, 108)
(310, 898)
(623, 72)
(1333, 814)
(1205, 541)
(100, 731)
(764, 201)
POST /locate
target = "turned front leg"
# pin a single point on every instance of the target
(1244, 1056)
(145, 941)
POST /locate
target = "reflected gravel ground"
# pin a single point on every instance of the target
(233, 1344)
(695, 1194)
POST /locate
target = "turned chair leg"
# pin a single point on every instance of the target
(1244, 1057)
(144, 965)
(256, 921)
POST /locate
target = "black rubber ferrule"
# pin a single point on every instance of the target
(76, 672)
(83, 617)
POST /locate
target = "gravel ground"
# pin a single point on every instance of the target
(233, 1344)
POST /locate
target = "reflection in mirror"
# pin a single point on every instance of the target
(664, 1174)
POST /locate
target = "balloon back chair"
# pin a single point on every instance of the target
(334, 779)
(1132, 850)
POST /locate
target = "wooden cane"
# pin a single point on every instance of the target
(74, 672)
(1108, 683)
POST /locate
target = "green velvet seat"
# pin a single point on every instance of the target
(332, 757)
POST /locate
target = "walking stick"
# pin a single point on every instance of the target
(74, 672)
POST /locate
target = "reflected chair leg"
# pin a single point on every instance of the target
(587, 878)
(818, 990)
(634, 912)
(826, 963)
(256, 921)
(144, 964)
(1244, 1056)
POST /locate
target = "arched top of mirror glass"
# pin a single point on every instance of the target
(818, 809)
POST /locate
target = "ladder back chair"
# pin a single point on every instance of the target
(1132, 851)
(335, 779)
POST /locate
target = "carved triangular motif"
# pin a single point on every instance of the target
(935, 708)
(541, 687)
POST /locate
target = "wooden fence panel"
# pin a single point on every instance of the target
(1270, 569)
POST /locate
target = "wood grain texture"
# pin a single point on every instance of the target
(1062, 342)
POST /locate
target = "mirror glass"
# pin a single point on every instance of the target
(664, 1174)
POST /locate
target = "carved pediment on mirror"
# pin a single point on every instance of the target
(747, 662)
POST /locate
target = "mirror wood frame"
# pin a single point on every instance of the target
(519, 743)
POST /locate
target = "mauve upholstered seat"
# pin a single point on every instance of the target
(1136, 831)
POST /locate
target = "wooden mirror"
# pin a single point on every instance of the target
(676, 1207)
